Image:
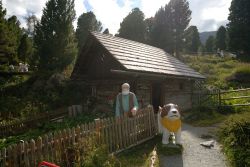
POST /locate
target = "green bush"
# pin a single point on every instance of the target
(234, 134)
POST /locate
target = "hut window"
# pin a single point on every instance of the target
(181, 86)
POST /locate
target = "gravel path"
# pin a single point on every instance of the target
(195, 155)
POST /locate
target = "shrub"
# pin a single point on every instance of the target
(234, 134)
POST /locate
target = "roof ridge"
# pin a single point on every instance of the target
(113, 36)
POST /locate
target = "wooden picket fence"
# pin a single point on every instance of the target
(116, 134)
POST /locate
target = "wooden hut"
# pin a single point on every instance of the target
(156, 77)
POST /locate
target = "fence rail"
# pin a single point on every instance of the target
(116, 134)
(221, 98)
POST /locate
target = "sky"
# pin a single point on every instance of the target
(207, 15)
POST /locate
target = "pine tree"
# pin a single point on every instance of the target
(162, 35)
(221, 37)
(10, 34)
(210, 44)
(86, 22)
(181, 16)
(239, 26)
(169, 25)
(192, 39)
(54, 35)
(149, 28)
(25, 49)
(133, 26)
(3, 36)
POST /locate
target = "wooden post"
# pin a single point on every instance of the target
(39, 149)
(33, 152)
(4, 156)
(219, 98)
(97, 129)
(15, 154)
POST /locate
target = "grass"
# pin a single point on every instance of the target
(47, 127)
(140, 155)
(219, 71)
(203, 116)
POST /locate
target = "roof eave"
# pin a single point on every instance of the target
(152, 74)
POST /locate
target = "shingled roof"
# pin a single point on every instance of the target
(135, 56)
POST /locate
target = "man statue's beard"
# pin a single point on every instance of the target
(125, 92)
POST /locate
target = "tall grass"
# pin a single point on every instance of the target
(218, 70)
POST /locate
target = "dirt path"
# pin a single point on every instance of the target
(195, 155)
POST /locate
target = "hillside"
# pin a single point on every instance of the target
(204, 36)
(224, 73)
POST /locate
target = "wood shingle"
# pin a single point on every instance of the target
(139, 57)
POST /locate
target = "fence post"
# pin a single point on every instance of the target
(219, 98)
(97, 129)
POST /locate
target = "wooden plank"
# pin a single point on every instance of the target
(125, 128)
(137, 128)
(4, 156)
(26, 154)
(15, 152)
(46, 147)
(20, 154)
(238, 97)
(109, 135)
(39, 149)
(33, 153)
(78, 134)
(134, 129)
(129, 124)
(9, 156)
(122, 133)
(237, 90)
(150, 123)
(236, 105)
(51, 148)
(112, 134)
(118, 135)
(105, 129)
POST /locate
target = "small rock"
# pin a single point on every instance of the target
(208, 144)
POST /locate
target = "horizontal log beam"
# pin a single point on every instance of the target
(238, 90)
(235, 105)
(143, 74)
(238, 97)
